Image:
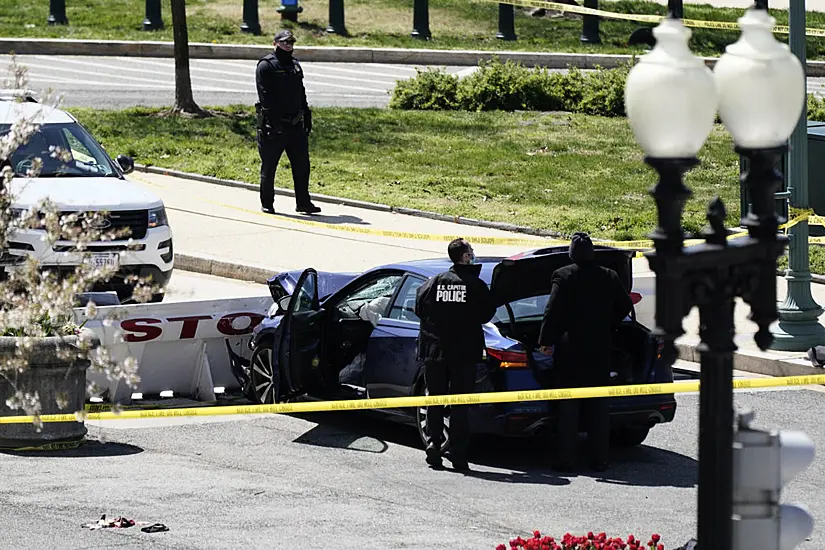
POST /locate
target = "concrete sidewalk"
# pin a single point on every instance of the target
(220, 230)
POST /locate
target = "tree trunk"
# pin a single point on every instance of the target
(184, 101)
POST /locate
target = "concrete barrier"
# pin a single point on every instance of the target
(182, 347)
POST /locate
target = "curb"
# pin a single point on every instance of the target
(757, 362)
(748, 361)
(329, 54)
(220, 268)
(356, 203)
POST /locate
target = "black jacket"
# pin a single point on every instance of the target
(452, 306)
(587, 303)
(280, 83)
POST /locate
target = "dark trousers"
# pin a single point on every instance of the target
(444, 378)
(293, 140)
(597, 414)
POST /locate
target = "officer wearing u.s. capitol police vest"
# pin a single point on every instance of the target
(452, 307)
(284, 122)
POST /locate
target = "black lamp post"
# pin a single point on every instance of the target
(57, 12)
(506, 22)
(590, 24)
(336, 18)
(421, 20)
(671, 100)
(251, 23)
(153, 20)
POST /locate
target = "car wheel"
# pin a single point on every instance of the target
(421, 421)
(626, 438)
(265, 377)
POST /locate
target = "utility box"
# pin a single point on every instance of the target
(816, 178)
(816, 172)
(782, 195)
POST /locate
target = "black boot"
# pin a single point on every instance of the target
(434, 457)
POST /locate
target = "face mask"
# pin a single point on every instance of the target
(473, 260)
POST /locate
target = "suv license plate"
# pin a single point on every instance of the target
(105, 260)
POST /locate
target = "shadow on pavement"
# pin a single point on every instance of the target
(339, 219)
(642, 466)
(527, 459)
(329, 436)
(89, 449)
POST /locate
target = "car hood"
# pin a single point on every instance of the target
(83, 193)
(516, 279)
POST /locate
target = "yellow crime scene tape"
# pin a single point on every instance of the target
(641, 18)
(423, 401)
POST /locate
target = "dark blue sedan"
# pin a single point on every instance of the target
(353, 336)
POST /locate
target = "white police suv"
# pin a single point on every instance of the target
(84, 180)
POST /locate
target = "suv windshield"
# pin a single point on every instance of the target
(66, 150)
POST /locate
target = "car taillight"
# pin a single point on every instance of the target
(509, 359)
(659, 349)
(636, 297)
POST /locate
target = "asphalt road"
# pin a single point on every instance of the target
(344, 480)
(118, 82)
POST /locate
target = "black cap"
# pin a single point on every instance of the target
(284, 36)
(581, 248)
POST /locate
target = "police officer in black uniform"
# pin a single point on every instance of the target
(451, 307)
(587, 302)
(284, 122)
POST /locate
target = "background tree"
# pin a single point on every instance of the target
(184, 100)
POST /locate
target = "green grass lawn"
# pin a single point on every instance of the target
(470, 24)
(552, 171)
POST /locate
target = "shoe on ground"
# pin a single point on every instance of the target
(461, 466)
(434, 459)
(268, 209)
(308, 209)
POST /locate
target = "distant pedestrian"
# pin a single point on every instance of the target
(452, 307)
(587, 303)
(284, 123)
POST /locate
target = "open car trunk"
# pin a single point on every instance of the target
(515, 281)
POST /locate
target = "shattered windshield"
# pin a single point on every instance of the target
(65, 150)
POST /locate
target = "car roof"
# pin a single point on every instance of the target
(431, 267)
(12, 111)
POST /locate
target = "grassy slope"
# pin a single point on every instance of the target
(387, 23)
(555, 171)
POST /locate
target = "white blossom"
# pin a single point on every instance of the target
(35, 302)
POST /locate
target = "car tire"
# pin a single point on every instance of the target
(421, 421)
(265, 377)
(629, 437)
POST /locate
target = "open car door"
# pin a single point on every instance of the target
(299, 355)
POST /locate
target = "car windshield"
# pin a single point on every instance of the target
(66, 150)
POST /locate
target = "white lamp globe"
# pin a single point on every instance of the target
(761, 85)
(670, 96)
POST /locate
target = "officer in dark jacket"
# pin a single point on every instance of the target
(451, 307)
(284, 122)
(587, 303)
